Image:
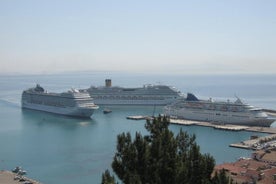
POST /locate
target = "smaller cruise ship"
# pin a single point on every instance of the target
(159, 95)
(237, 112)
(70, 103)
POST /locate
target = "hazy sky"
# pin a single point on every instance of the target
(208, 36)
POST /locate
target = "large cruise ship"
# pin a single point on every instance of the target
(228, 112)
(146, 95)
(71, 103)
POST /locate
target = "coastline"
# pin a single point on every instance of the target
(8, 177)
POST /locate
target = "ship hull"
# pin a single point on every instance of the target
(67, 111)
(147, 95)
(132, 102)
(70, 103)
(236, 118)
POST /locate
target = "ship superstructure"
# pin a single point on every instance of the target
(146, 95)
(237, 112)
(71, 103)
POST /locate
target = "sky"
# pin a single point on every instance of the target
(151, 36)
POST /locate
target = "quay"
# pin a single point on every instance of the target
(269, 130)
(255, 144)
(229, 127)
(265, 142)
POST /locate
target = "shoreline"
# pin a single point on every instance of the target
(9, 177)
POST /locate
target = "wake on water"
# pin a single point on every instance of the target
(12, 102)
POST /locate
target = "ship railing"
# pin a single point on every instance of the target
(88, 105)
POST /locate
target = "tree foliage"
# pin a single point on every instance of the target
(161, 157)
(222, 178)
(107, 178)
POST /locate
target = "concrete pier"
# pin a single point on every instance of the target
(254, 144)
(230, 127)
(270, 130)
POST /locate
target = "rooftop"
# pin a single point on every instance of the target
(250, 170)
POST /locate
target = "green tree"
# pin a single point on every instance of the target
(161, 157)
(221, 178)
(107, 178)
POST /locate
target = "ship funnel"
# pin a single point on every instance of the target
(191, 97)
(108, 83)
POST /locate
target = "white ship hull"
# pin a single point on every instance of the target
(71, 103)
(146, 95)
(244, 118)
(132, 102)
(68, 111)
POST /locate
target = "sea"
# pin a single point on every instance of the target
(58, 149)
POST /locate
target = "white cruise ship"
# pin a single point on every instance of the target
(228, 112)
(71, 103)
(146, 95)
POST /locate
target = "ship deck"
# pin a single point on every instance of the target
(270, 112)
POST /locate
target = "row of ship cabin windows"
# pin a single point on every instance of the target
(57, 103)
(213, 107)
(219, 114)
(129, 97)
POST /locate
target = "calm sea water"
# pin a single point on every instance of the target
(58, 149)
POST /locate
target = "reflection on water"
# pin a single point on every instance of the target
(35, 116)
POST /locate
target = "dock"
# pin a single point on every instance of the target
(240, 145)
(228, 127)
(269, 130)
(256, 144)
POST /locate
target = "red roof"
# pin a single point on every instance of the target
(245, 169)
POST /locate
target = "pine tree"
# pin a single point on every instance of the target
(161, 157)
(107, 178)
(221, 178)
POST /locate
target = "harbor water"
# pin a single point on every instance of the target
(58, 149)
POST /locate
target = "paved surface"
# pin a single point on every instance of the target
(270, 130)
